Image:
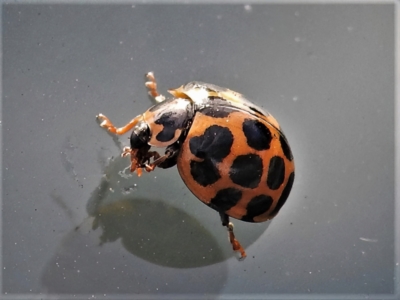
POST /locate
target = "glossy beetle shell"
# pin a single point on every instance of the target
(234, 157)
(230, 153)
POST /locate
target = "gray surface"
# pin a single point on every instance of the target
(326, 72)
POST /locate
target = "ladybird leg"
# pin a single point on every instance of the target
(149, 166)
(152, 87)
(106, 123)
(134, 163)
(172, 151)
(235, 243)
(161, 160)
(169, 162)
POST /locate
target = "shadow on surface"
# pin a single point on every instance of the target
(174, 250)
(81, 266)
(158, 233)
(158, 230)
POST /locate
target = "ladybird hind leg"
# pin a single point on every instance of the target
(151, 85)
(235, 243)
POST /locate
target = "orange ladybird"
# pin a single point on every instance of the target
(231, 154)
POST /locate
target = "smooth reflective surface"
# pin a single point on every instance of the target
(76, 224)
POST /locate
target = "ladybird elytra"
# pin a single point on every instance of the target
(232, 155)
(244, 169)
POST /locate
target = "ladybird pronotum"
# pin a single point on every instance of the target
(231, 154)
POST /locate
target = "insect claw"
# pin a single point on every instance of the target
(150, 76)
(105, 123)
(126, 151)
(100, 116)
(243, 256)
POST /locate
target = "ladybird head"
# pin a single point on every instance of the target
(160, 126)
(140, 135)
(139, 149)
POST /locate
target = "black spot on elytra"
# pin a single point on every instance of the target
(285, 147)
(257, 206)
(276, 172)
(257, 134)
(225, 199)
(169, 124)
(217, 107)
(216, 112)
(204, 172)
(284, 195)
(246, 170)
(215, 144)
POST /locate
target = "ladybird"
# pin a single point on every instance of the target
(232, 155)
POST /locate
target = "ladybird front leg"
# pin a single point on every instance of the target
(152, 87)
(126, 151)
(235, 243)
(134, 161)
(106, 123)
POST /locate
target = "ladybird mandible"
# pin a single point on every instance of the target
(231, 154)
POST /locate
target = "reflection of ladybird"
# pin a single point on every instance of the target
(231, 154)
